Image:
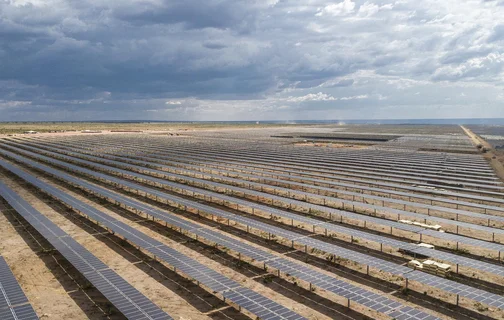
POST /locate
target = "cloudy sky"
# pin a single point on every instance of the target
(250, 59)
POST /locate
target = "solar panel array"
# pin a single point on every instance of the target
(237, 295)
(137, 151)
(268, 157)
(388, 175)
(123, 296)
(286, 179)
(334, 228)
(430, 208)
(175, 166)
(330, 284)
(181, 263)
(337, 251)
(322, 175)
(13, 302)
(445, 236)
(490, 232)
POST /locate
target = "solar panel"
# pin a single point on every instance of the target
(276, 178)
(18, 313)
(460, 289)
(399, 212)
(232, 199)
(13, 293)
(210, 278)
(78, 256)
(323, 174)
(259, 305)
(13, 302)
(331, 227)
(419, 205)
(24, 312)
(338, 287)
(465, 240)
(249, 251)
(340, 178)
(496, 269)
(129, 301)
(465, 163)
(218, 283)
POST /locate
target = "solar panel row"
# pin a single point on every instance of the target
(359, 177)
(485, 218)
(465, 162)
(323, 175)
(462, 163)
(336, 212)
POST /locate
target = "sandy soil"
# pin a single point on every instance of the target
(494, 157)
(149, 127)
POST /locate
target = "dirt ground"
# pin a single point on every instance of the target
(149, 127)
(495, 158)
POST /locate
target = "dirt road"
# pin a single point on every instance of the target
(491, 155)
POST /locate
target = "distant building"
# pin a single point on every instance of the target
(91, 131)
(30, 132)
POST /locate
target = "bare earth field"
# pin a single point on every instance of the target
(323, 227)
(46, 127)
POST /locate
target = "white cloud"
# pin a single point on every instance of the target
(173, 102)
(362, 96)
(342, 8)
(487, 68)
(13, 104)
(313, 97)
(369, 9)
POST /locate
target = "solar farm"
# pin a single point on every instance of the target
(288, 222)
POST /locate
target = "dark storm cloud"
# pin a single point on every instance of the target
(192, 14)
(214, 45)
(68, 58)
